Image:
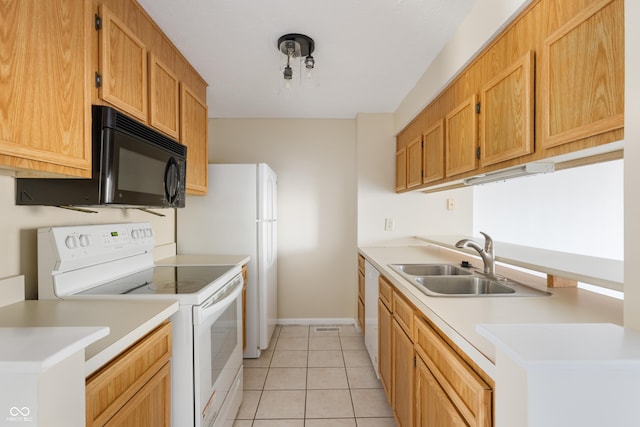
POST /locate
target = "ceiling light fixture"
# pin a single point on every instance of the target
(296, 46)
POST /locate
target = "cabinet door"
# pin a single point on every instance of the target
(583, 75)
(123, 66)
(401, 169)
(164, 98)
(127, 377)
(45, 89)
(414, 163)
(361, 299)
(361, 315)
(384, 347)
(471, 396)
(193, 134)
(433, 407)
(402, 375)
(461, 138)
(150, 406)
(506, 117)
(433, 153)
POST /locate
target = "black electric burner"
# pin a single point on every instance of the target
(162, 280)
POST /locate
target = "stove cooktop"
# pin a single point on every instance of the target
(162, 280)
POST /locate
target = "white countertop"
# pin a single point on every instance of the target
(458, 317)
(126, 320)
(204, 260)
(574, 346)
(33, 350)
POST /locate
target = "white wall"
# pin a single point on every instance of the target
(632, 165)
(576, 210)
(315, 162)
(486, 18)
(19, 224)
(413, 213)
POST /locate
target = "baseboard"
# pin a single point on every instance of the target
(318, 321)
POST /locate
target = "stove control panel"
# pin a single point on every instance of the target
(97, 243)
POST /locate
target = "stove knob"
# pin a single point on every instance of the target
(71, 242)
(84, 240)
(135, 234)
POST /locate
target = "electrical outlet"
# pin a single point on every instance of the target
(388, 224)
(451, 204)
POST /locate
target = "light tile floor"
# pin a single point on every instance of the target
(313, 378)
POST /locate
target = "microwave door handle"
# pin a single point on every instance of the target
(215, 305)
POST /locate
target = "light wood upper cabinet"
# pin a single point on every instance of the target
(461, 138)
(193, 134)
(506, 115)
(164, 98)
(169, 96)
(433, 153)
(550, 83)
(123, 66)
(583, 75)
(45, 92)
(401, 169)
(414, 163)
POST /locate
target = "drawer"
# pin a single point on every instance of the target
(385, 291)
(466, 389)
(112, 386)
(403, 313)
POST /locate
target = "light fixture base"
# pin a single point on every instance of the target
(306, 43)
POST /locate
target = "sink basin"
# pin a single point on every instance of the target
(462, 285)
(430, 269)
(448, 280)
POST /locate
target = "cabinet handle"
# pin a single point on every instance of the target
(478, 108)
(98, 80)
(98, 22)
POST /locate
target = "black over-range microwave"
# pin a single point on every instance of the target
(133, 166)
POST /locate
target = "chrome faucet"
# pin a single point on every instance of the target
(487, 254)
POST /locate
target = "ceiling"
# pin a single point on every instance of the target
(369, 53)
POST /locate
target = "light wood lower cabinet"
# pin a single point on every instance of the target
(433, 407)
(427, 380)
(384, 347)
(467, 392)
(402, 375)
(134, 388)
(361, 292)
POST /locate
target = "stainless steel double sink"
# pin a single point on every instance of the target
(447, 280)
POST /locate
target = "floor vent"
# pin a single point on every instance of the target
(327, 329)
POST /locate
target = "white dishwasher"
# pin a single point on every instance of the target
(371, 312)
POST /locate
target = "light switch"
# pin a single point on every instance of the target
(388, 224)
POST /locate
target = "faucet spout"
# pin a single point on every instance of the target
(487, 253)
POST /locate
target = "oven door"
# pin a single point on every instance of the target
(217, 350)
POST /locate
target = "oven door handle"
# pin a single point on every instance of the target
(215, 306)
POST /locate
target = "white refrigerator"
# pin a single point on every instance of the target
(238, 216)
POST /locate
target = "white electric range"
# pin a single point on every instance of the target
(112, 261)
